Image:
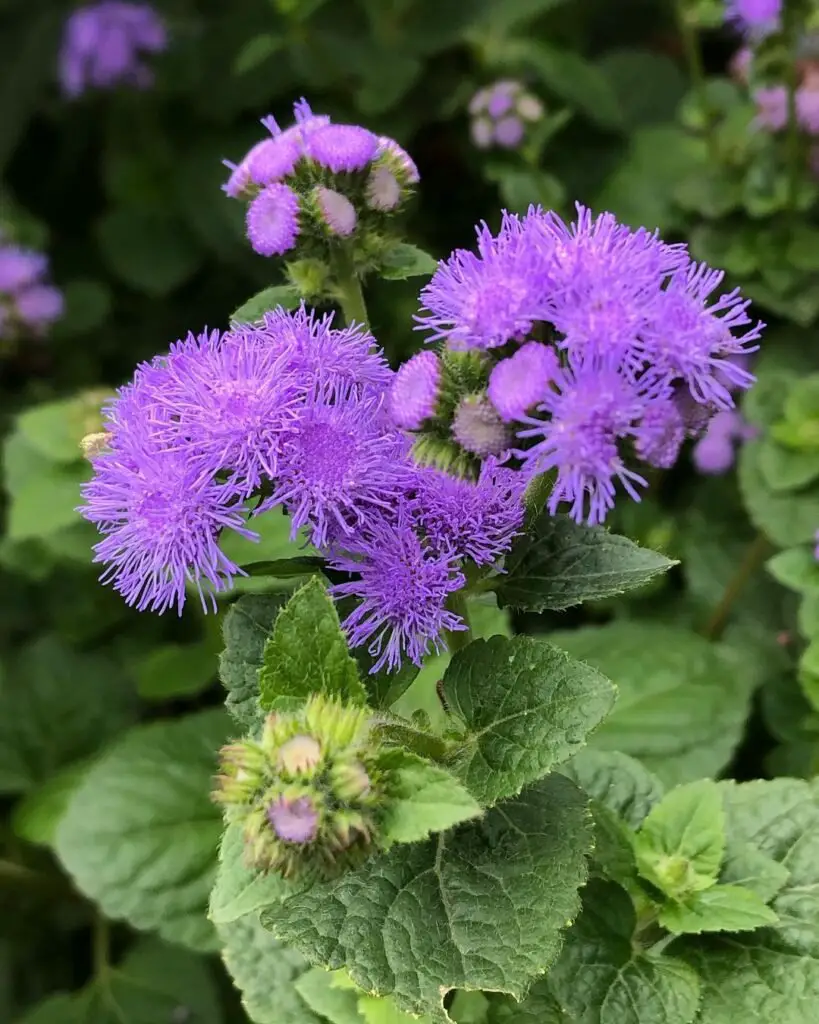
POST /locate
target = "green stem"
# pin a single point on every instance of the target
(755, 554)
(101, 948)
(696, 68)
(348, 290)
(457, 639)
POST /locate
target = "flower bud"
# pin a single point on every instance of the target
(93, 445)
(350, 781)
(477, 427)
(299, 756)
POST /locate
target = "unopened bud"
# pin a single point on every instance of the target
(93, 445)
(295, 820)
(350, 781)
(299, 756)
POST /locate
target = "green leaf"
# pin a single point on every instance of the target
(140, 834)
(423, 798)
(262, 302)
(87, 307)
(337, 1005)
(175, 670)
(55, 429)
(617, 781)
(57, 707)
(256, 51)
(752, 869)
(264, 971)
(403, 261)
(682, 701)
(526, 707)
(247, 626)
(538, 1007)
(46, 503)
(239, 890)
(559, 564)
(629, 71)
(753, 980)
(37, 815)
(808, 673)
(274, 543)
(725, 908)
(681, 843)
(307, 653)
(478, 908)
(796, 569)
(151, 253)
(603, 978)
(784, 469)
(384, 1011)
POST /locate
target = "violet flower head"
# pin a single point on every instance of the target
(294, 821)
(518, 383)
(384, 191)
(715, 452)
(484, 300)
(477, 520)
(337, 212)
(273, 220)
(478, 428)
(20, 268)
(338, 466)
(28, 303)
(104, 45)
(756, 18)
(500, 113)
(403, 585)
(319, 354)
(342, 147)
(398, 159)
(414, 391)
(39, 306)
(161, 516)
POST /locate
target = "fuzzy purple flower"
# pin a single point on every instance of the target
(161, 515)
(342, 147)
(28, 303)
(478, 520)
(715, 451)
(414, 391)
(403, 585)
(39, 306)
(384, 191)
(337, 212)
(103, 45)
(755, 17)
(398, 160)
(499, 114)
(660, 433)
(338, 466)
(518, 383)
(294, 821)
(20, 268)
(273, 220)
(477, 427)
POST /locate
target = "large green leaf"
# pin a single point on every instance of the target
(787, 518)
(617, 781)
(140, 834)
(560, 563)
(539, 1006)
(238, 889)
(247, 626)
(602, 977)
(307, 653)
(682, 701)
(480, 907)
(526, 707)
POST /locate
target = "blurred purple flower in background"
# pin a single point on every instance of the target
(28, 303)
(754, 17)
(103, 45)
(500, 114)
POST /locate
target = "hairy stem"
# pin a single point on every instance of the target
(348, 291)
(755, 554)
(457, 639)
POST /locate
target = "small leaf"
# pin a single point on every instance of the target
(725, 908)
(256, 51)
(87, 306)
(539, 1006)
(404, 260)
(149, 252)
(252, 311)
(796, 569)
(36, 817)
(752, 869)
(784, 469)
(307, 653)
(526, 706)
(140, 834)
(248, 624)
(560, 564)
(238, 890)
(422, 798)
(618, 781)
(681, 843)
(175, 670)
(337, 1005)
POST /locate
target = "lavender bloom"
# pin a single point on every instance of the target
(317, 354)
(342, 147)
(20, 268)
(414, 391)
(273, 220)
(338, 467)
(714, 453)
(660, 433)
(499, 114)
(294, 821)
(103, 44)
(39, 306)
(402, 587)
(272, 160)
(398, 160)
(27, 302)
(337, 212)
(477, 520)
(477, 427)
(383, 190)
(772, 107)
(160, 515)
(518, 383)
(755, 17)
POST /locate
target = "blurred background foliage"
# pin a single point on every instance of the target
(122, 190)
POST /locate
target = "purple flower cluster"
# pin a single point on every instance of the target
(500, 114)
(316, 181)
(755, 18)
(28, 303)
(642, 350)
(104, 43)
(289, 413)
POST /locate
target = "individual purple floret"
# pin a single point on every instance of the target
(715, 451)
(273, 220)
(477, 427)
(338, 466)
(39, 306)
(294, 821)
(337, 212)
(28, 303)
(414, 391)
(160, 514)
(403, 584)
(500, 114)
(518, 383)
(342, 147)
(104, 43)
(660, 433)
(478, 520)
(757, 18)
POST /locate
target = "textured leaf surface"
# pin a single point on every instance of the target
(682, 702)
(480, 907)
(560, 564)
(787, 518)
(404, 260)
(617, 781)
(538, 1007)
(339, 1005)
(140, 834)
(35, 818)
(264, 972)
(262, 302)
(725, 908)
(423, 799)
(601, 979)
(527, 707)
(238, 890)
(247, 627)
(307, 653)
